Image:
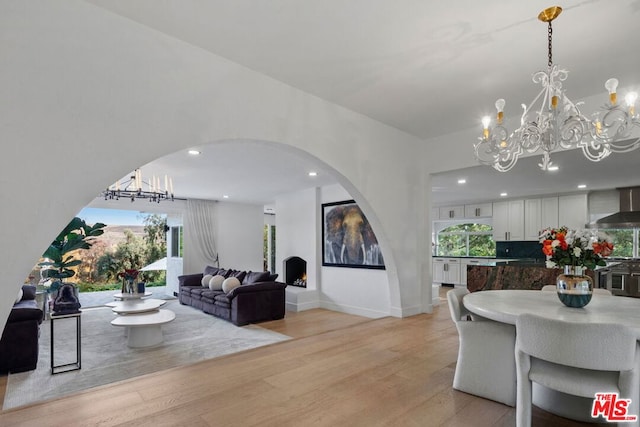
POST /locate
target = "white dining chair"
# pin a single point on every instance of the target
(599, 291)
(486, 363)
(575, 358)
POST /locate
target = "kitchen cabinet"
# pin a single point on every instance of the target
(549, 212)
(572, 210)
(482, 210)
(532, 218)
(508, 220)
(452, 212)
(446, 270)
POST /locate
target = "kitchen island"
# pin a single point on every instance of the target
(512, 275)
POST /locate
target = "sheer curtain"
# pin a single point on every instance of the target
(201, 221)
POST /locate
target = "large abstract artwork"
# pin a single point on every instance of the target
(348, 238)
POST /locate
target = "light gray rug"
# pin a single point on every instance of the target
(191, 337)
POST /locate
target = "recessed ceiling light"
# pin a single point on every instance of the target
(582, 185)
(553, 168)
(313, 173)
(194, 152)
(225, 196)
(462, 181)
(503, 194)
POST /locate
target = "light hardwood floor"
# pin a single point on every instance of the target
(339, 370)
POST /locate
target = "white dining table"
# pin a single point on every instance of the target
(506, 305)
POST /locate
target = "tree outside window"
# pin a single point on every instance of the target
(466, 240)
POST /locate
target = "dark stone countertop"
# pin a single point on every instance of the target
(522, 276)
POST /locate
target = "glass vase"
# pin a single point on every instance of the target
(574, 287)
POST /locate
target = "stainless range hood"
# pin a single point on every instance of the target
(629, 215)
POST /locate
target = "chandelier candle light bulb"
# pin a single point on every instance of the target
(557, 123)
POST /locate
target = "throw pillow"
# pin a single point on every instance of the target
(239, 275)
(273, 277)
(28, 292)
(211, 270)
(215, 284)
(230, 284)
(205, 279)
(20, 292)
(256, 276)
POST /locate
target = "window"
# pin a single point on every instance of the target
(466, 240)
(625, 240)
(177, 241)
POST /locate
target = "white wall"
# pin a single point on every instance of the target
(352, 290)
(238, 237)
(296, 235)
(299, 232)
(113, 86)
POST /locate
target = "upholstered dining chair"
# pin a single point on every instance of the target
(486, 362)
(599, 291)
(575, 358)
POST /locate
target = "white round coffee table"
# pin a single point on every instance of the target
(144, 329)
(122, 296)
(133, 306)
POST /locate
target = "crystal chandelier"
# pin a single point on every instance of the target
(553, 122)
(137, 188)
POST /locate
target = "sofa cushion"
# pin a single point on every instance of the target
(230, 284)
(215, 284)
(273, 277)
(238, 274)
(28, 292)
(255, 276)
(205, 280)
(25, 310)
(211, 270)
(196, 293)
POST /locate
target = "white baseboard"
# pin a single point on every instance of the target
(358, 311)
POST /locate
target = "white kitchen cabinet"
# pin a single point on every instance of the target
(573, 210)
(482, 210)
(464, 262)
(452, 212)
(532, 218)
(549, 212)
(446, 270)
(508, 220)
(435, 214)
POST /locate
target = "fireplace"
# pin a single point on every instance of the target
(295, 271)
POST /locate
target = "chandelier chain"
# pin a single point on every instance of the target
(550, 45)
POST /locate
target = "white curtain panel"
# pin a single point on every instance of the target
(201, 217)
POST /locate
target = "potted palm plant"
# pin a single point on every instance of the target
(59, 260)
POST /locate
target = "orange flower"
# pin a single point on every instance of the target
(547, 249)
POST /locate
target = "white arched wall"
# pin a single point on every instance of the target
(87, 96)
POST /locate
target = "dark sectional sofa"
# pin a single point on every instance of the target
(19, 343)
(259, 297)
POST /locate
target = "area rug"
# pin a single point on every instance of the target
(191, 337)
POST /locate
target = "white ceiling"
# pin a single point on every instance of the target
(428, 68)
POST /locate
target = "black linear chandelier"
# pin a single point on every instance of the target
(137, 188)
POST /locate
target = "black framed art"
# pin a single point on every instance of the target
(348, 239)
